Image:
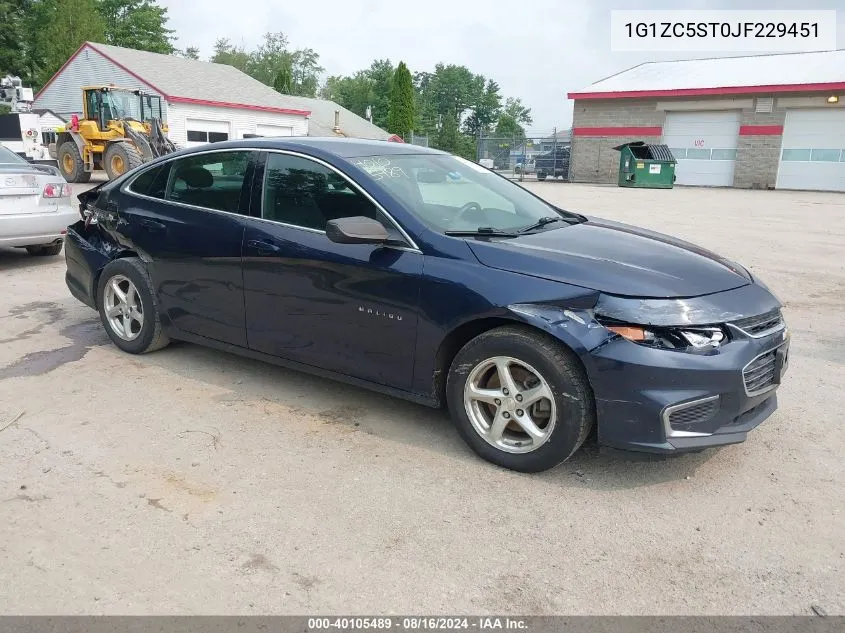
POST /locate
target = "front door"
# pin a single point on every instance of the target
(187, 217)
(347, 308)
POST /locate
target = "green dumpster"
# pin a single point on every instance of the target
(644, 165)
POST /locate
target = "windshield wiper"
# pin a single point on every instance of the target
(541, 223)
(482, 231)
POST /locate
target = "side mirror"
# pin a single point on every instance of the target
(356, 230)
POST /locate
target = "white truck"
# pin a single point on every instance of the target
(20, 130)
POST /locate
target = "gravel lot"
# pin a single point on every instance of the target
(190, 481)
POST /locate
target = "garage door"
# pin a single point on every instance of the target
(812, 155)
(273, 130)
(704, 143)
(202, 131)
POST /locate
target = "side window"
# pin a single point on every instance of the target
(152, 182)
(303, 193)
(212, 181)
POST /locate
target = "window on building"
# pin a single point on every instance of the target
(198, 136)
(825, 155)
(796, 154)
(723, 154)
(212, 181)
(698, 154)
(303, 193)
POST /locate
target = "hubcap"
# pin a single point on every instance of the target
(123, 308)
(510, 404)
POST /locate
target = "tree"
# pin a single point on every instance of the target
(517, 111)
(226, 53)
(295, 72)
(366, 88)
(69, 24)
(192, 52)
(401, 115)
(508, 127)
(13, 50)
(485, 110)
(138, 24)
(450, 139)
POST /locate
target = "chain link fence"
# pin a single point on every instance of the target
(536, 155)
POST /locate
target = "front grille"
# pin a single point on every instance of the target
(759, 374)
(695, 413)
(761, 324)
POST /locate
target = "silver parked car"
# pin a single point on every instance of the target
(35, 205)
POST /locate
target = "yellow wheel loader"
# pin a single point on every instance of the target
(119, 130)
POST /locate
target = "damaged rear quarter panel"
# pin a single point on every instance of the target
(87, 252)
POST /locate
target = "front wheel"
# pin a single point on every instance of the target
(520, 399)
(128, 307)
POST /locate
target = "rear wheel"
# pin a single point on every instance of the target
(45, 250)
(541, 176)
(520, 399)
(70, 163)
(128, 307)
(120, 158)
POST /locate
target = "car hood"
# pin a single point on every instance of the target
(614, 258)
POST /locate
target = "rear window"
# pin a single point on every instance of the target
(8, 157)
(152, 182)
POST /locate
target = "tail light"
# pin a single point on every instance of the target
(57, 190)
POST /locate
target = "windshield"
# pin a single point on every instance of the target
(121, 105)
(8, 157)
(453, 194)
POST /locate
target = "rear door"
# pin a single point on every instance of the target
(186, 217)
(350, 308)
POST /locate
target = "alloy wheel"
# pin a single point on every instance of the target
(510, 404)
(123, 308)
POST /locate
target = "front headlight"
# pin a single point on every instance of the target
(696, 338)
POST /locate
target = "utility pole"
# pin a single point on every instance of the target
(554, 152)
(369, 113)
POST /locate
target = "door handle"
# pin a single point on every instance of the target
(152, 225)
(263, 248)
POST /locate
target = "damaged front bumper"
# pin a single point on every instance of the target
(665, 401)
(675, 400)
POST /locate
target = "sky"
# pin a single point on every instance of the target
(537, 50)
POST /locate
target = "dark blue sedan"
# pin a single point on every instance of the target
(426, 276)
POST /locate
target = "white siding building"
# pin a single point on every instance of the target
(202, 102)
(760, 121)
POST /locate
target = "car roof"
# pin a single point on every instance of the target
(341, 147)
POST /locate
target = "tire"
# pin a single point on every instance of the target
(45, 250)
(120, 158)
(70, 163)
(541, 177)
(139, 332)
(570, 411)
